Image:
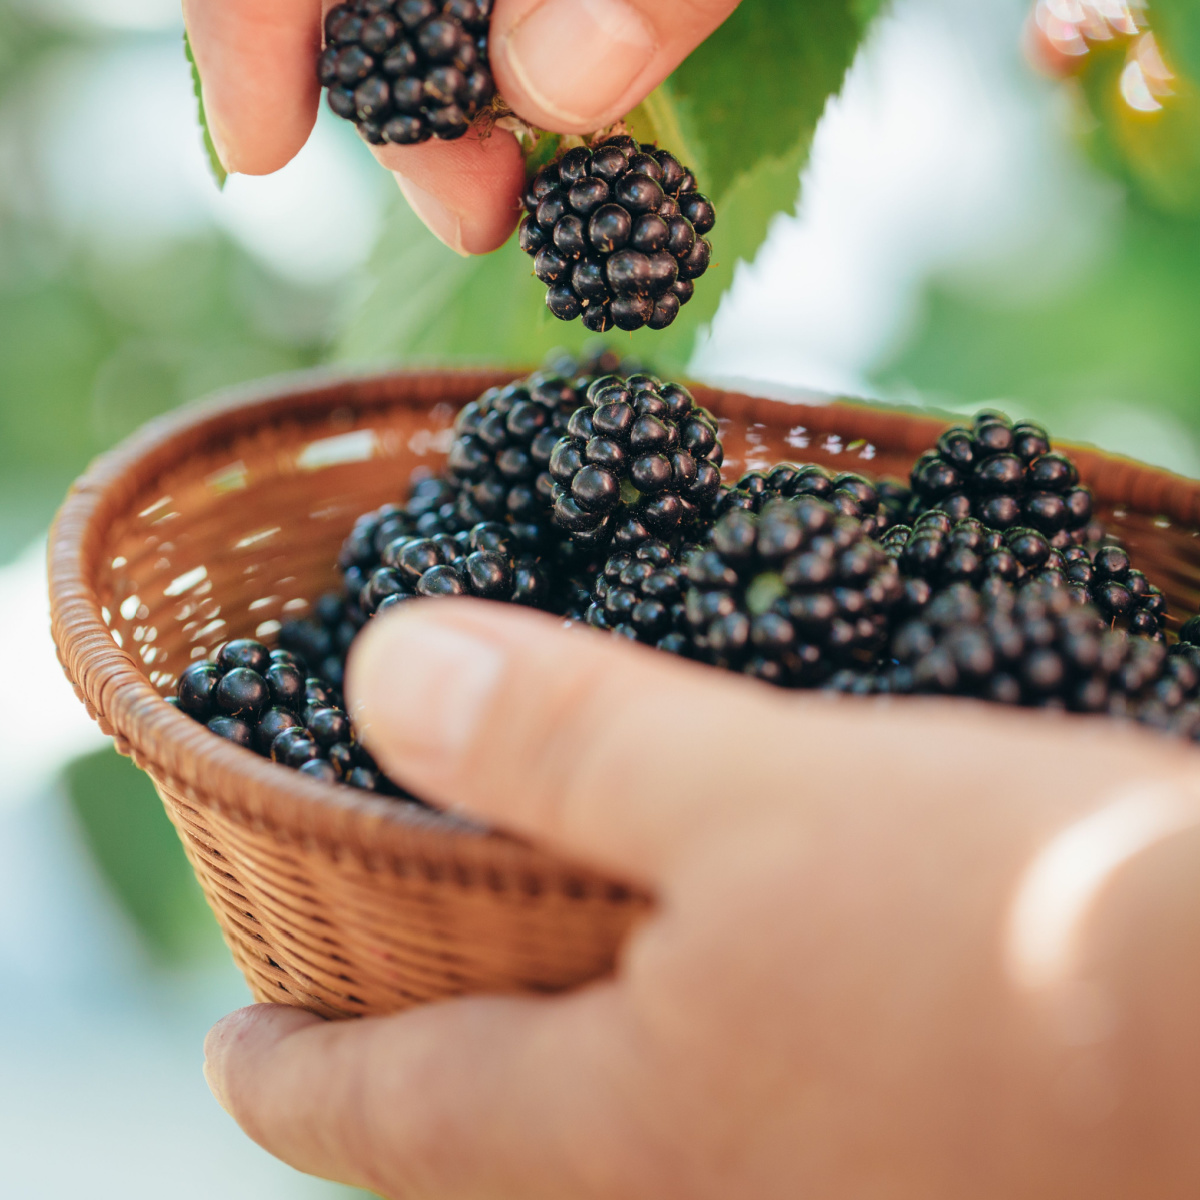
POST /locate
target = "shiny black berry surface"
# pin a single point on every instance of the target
(408, 70)
(616, 232)
(639, 451)
(639, 594)
(1004, 474)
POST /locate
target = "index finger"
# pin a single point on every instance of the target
(257, 63)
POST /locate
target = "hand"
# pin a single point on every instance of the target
(572, 66)
(878, 967)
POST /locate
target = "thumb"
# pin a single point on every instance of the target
(577, 65)
(618, 754)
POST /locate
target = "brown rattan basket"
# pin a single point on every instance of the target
(225, 519)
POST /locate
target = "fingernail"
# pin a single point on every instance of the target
(421, 687)
(443, 221)
(577, 58)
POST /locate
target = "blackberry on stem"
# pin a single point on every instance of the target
(408, 70)
(616, 231)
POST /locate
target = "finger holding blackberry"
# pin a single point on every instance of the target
(415, 75)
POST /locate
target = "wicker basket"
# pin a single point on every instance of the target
(225, 520)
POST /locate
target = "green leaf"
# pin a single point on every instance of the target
(1176, 24)
(136, 849)
(214, 160)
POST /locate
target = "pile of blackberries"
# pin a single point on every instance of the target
(592, 492)
(616, 231)
(405, 71)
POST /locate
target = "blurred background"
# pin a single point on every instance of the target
(970, 230)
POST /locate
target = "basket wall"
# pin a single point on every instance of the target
(224, 521)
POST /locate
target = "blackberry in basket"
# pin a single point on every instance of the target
(879, 505)
(409, 70)
(616, 231)
(322, 641)
(261, 699)
(1004, 474)
(638, 594)
(1033, 645)
(486, 561)
(790, 593)
(639, 450)
(937, 551)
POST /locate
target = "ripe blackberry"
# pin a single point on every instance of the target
(272, 708)
(407, 70)
(431, 510)
(937, 551)
(1034, 644)
(638, 594)
(500, 455)
(487, 561)
(616, 232)
(877, 504)
(1004, 474)
(790, 593)
(639, 451)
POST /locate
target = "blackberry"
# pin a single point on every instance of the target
(638, 594)
(639, 453)
(937, 551)
(616, 231)
(500, 455)
(487, 562)
(406, 71)
(1004, 475)
(790, 593)
(877, 505)
(273, 708)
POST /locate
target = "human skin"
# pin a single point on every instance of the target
(901, 950)
(572, 66)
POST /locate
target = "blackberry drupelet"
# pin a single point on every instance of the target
(616, 231)
(639, 457)
(322, 640)
(937, 551)
(790, 593)
(487, 561)
(638, 594)
(877, 504)
(1004, 474)
(406, 71)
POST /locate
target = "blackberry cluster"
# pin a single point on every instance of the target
(1036, 645)
(878, 505)
(500, 456)
(1004, 475)
(485, 561)
(638, 594)
(936, 551)
(263, 700)
(639, 457)
(405, 71)
(790, 593)
(616, 231)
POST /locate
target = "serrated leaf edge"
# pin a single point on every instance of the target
(220, 175)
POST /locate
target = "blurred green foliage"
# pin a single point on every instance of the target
(1121, 330)
(137, 851)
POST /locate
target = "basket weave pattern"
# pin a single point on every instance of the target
(223, 521)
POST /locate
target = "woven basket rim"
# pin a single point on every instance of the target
(216, 774)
